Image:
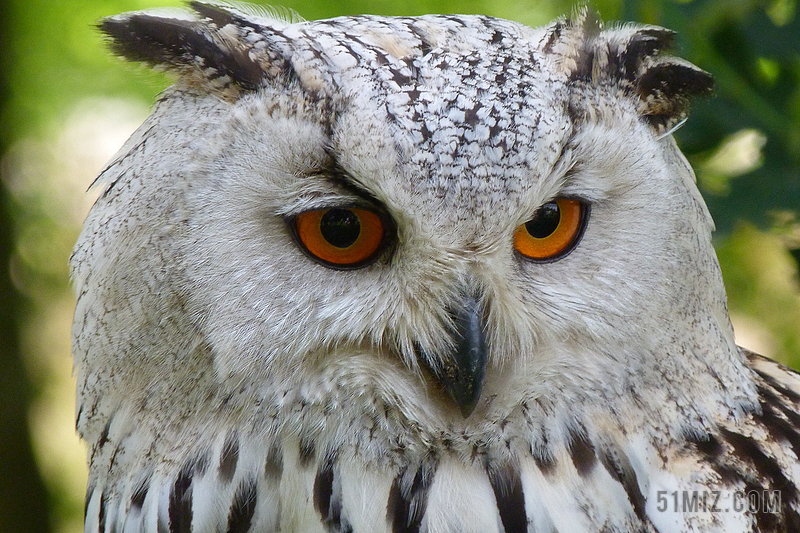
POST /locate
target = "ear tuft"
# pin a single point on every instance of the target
(666, 89)
(630, 57)
(214, 47)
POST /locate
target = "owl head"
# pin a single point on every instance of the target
(441, 219)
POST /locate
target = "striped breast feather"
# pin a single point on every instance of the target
(239, 484)
(759, 456)
(740, 475)
(583, 489)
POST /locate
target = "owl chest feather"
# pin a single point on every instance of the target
(367, 471)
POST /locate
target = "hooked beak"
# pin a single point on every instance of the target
(462, 370)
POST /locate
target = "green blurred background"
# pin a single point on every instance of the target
(67, 106)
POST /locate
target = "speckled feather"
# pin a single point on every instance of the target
(226, 382)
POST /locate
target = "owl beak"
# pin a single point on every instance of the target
(462, 372)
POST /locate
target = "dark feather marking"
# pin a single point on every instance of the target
(778, 386)
(510, 498)
(229, 457)
(101, 516)
(243, 507)
(582, 453)
(273, 466)
(675, 79)
(715, 453)
(407, 503)
(400, 513)
(425, 46)
(707, 444)
(327, 499)
(140, 493)
(644, 43)
(583, 66)
(307, 452)
(180, 502)
(780, 429)
(113, 460)
(497, 38)
(622, 471)
(104, 434)
(323, 490)
(792, 415)
(767, 467)
(667, 89)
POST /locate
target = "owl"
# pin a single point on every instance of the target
(443, 274)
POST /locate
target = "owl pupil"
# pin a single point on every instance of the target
(545, 221)
(340, 227)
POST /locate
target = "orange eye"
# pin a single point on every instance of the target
(553, 231)
(341, 237)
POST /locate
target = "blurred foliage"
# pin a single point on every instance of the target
(67, 104)
(20, 488)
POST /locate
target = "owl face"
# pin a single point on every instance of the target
(445, 232)
(453, 220)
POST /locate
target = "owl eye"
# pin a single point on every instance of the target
(341, 237)
(553, 231)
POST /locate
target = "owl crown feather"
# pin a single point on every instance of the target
(224, 49)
